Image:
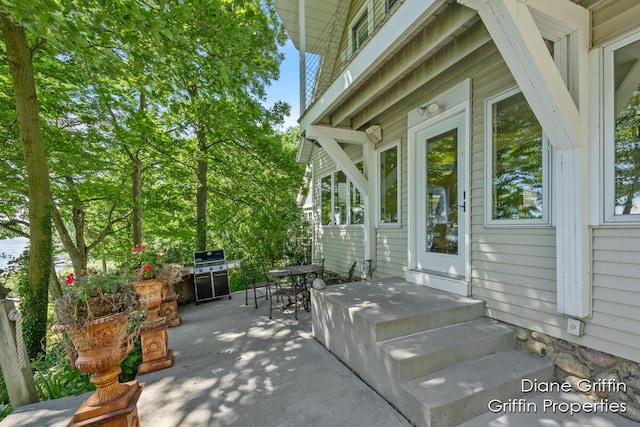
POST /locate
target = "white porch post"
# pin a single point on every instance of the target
(563, 114)
(303, 55)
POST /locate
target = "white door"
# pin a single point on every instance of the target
(441, 197)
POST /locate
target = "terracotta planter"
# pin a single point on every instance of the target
(150, 292)
(101, 345)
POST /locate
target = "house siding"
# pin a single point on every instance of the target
(512, 267)
(391, 243)
(613, 18)
(615, 322)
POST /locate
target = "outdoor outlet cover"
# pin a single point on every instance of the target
(575, 327)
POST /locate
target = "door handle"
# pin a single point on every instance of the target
(464, 202)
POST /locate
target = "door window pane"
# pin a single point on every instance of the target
(442, 193)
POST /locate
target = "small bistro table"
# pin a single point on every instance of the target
(298, 276)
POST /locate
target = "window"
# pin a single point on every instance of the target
(517, 162)
(325, 196)
(622, 130)
(389, 173)
(359, 32)
(389, 4)
(357, 203)
(341, 202)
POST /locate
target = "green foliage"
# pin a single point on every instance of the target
(5, 404)
(55, 377)
(131, 363)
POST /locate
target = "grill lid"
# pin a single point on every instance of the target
(205, 257)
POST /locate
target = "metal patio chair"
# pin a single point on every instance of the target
(251, 276)
(338, 278)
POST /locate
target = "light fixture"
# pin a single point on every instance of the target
(430, 108)
(374, 133)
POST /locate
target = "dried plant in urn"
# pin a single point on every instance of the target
(100, 313)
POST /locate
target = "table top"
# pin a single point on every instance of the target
(296, 270)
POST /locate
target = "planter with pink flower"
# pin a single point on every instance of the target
(149, 267)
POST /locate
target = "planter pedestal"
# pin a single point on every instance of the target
(100, 345)
(121, 412)
(169, 308)
(155, 354)
(153, 332)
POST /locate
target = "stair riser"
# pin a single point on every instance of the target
(456, 412)
(425, 364)
(426, 321)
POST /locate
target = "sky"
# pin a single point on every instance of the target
(287, 88)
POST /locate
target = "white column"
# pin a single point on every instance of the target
(303, 56)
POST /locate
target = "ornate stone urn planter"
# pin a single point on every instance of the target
(153, 332)
(95, 312)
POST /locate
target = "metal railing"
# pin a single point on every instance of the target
(343, 38)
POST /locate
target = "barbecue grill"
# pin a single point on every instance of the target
(210, 275)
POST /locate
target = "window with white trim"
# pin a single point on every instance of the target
(360, 28)
(389, 185)
(517, 162)
(341, 202)
(622, 130)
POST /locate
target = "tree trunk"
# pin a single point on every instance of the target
(201, 206)
(19, 56)
(136, 187)
(136, 197)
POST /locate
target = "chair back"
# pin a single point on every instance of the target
(349, 276)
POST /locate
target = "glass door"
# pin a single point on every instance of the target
(441, 204)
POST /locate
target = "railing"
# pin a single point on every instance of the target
(343, 38)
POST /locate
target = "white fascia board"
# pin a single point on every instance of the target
(515, 33)
(397, 27)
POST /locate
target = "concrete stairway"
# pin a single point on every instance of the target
(433, 355)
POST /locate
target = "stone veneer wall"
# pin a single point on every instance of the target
(574, 363)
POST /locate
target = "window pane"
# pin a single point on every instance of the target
(357, 203)
(325, 195)
(340, 193)
(360, 32)
(627, 129)
(517, 160)
(389, 186)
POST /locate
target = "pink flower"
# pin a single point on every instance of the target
(138, 249)
(70, 279)
(147, 268)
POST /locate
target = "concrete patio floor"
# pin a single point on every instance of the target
(235, 367)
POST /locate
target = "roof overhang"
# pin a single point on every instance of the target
(318, 14)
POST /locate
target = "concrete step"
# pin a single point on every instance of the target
(420, 354)
(459, 393)
(389, 308)
(422, 315)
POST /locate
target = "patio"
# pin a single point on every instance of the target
(234, 366)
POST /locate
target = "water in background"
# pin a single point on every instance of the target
(10, 249)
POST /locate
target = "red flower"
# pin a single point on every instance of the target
(147, 267)
(70, 279)
(138, 249)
